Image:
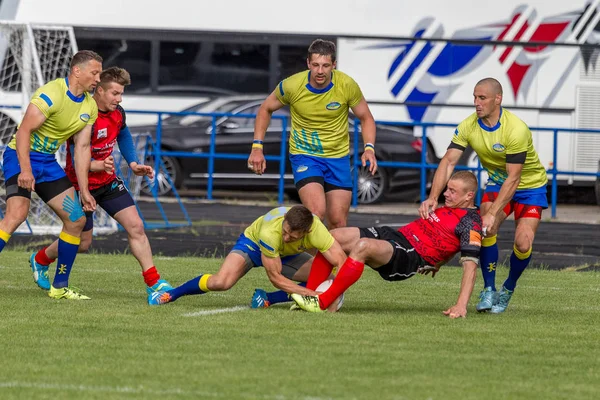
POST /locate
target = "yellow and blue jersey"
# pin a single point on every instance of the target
(510, 141)
(319, 116)
(266, 232)
(66, 115)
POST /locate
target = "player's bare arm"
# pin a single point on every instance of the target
(440, 180)
(107, 165)
(32, 120)
(335, 255)
(256, 161)
(369, 130)
(83, 158)
(273, 268)
(507, 191)
(459, 310)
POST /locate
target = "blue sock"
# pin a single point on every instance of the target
(488, 260)
(194, 286)
(518, 262)
(67, 251)
(4, 236)
(280, 296)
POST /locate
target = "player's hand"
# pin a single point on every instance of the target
(370, 157)
(26, 180)
(427, 206)
(456, 312)
(426, 269)
(142, 170)
(87, 201)
(257, 162)
(109, 164)
(487, 222)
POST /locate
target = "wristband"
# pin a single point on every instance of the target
(257, 141)
(369, 146)
(257, 146)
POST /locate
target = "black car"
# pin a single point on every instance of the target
(191, 133)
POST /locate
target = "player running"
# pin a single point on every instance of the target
(319, 101)
(59, 110)
(106, 188)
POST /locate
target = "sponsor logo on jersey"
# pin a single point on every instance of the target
(373, 231)
(499, 147)
(84, 117)
(333, 105)
(302, 168)
(102, 133)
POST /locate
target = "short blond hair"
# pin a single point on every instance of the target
(468, 178)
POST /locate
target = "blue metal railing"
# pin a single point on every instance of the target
(212, 155)
(423, 165)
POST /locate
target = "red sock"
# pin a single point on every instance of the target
(319, 271)
(151, 276)
(349, 273)
(42, 258)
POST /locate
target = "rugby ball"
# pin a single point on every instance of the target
(337, 304)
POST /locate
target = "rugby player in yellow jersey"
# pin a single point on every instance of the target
(319, 100)
(517, 183)
(60, 109)
(277, 241)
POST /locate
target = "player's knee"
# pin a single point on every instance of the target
(491, 231)
(361, 249)
(75, 226)
(85, 245)
(16, 216)
(523, 246)
(136, 228)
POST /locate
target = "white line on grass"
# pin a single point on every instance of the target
(143, 390)
(216, 311)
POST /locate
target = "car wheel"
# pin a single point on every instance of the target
(371, 188)
(172, 168)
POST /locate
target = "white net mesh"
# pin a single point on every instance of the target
(30, 56)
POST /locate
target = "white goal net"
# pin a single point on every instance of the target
(30, 56)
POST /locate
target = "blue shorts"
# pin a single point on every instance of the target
(247, 246)
(44, 166)
(531, 197)
(331, 173)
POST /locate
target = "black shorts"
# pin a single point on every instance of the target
(405, 260)
(45, 190)
(112, 197)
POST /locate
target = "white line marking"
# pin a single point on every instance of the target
(216, 311)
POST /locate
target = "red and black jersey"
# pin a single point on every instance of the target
(104, 136)
(446, 231)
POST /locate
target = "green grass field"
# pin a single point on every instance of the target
(389, 341)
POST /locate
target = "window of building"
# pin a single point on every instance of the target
(133, 55)
(239, 67)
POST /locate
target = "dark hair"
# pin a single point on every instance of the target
(299, 218)
(83, 56)
(322, 48)
(468, 178)
(116, 75)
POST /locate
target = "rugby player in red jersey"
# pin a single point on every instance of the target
(421, 246)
